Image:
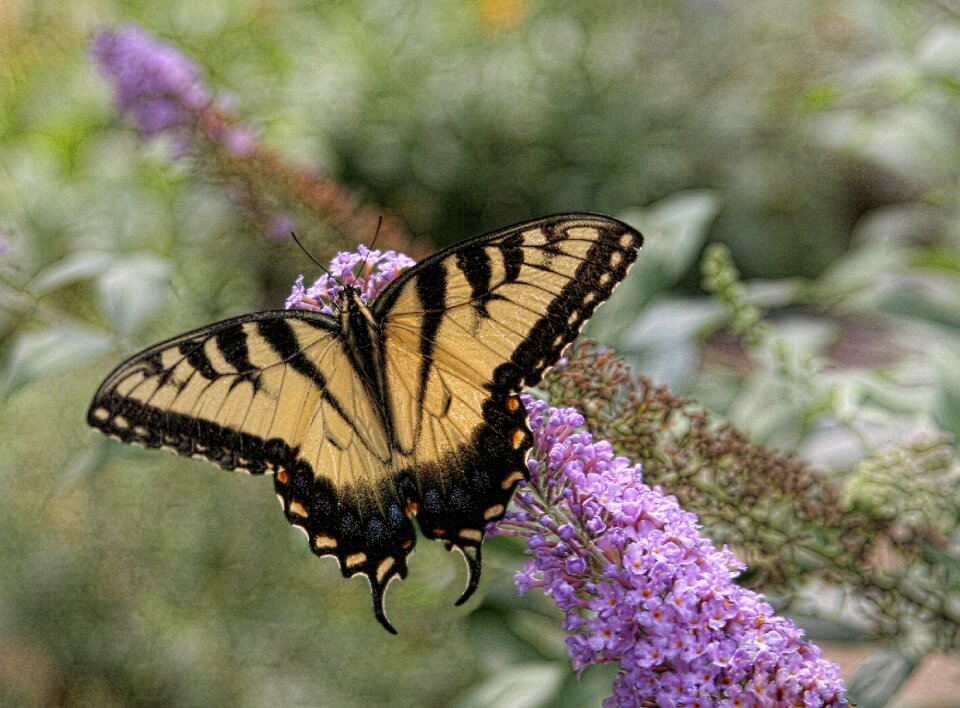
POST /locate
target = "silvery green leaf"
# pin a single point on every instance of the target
(42, 352)
(665, 342)
(134, 289)
(529, 685)
(879, 678)
(75, 267)
(674, 230)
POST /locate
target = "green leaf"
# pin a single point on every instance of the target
(674, 230)
(77, 266)
(521, 686)
(665, 342)
(43, 352)
(947, 406)
(950, 561)
(133, 290)
(879, 678)
(923, 304)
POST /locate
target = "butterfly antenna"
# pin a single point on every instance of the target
(317, 263)
(309, 255)
(377, 232)
(363, 265)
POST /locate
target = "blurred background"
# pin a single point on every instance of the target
(817, 140)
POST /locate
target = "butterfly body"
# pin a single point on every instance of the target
(406, 408)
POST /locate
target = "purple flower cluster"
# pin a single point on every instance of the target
(155, 84)
(162, 91)
(377, 270)
(641, 587)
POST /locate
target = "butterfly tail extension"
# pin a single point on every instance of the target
(369, 533)
(471, 487)
(471, 554)
(377, 591)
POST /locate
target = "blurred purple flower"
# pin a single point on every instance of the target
(639, 586)
(378, 270)
(155, 84)
(239, 140)
(161, 90)
(281, 226)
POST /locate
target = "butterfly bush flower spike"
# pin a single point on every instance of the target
(162, 91)
(640, 587)
(156, 85)
(377, 271)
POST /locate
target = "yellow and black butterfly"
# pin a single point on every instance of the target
(405, 408)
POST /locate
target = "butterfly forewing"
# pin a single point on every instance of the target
(487, 316)
(225, 390)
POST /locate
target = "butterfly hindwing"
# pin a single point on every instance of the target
(407, 408)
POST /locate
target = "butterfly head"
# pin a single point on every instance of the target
(356, 278)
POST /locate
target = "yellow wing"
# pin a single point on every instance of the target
(463, 333)
(488, 316)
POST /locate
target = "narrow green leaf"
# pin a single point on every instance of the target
(947, 387)
(923, 304)
(950, 561)
(880, 677)
(43, 352)
(133, 290)
(73, 268)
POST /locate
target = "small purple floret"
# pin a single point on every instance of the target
(377, 270)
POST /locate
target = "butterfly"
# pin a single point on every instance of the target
(375, 415)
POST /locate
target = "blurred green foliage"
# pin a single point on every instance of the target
(818, 140)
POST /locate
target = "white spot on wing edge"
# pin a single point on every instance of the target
(355, 559)
(323, 543)
(493, 512)
(385, 565)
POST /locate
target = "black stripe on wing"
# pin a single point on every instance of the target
(431, 290)
(133, 418)
(604, 267)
